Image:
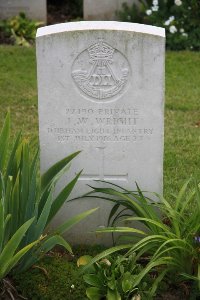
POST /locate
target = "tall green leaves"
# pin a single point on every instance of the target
(27, 198)
(171, 237)
(9, 244)
(4, 139)
(9, 257)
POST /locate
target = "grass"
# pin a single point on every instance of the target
(18, 91)
(182, 119)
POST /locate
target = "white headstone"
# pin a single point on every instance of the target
(101, 90)
(34, 9)
(96, 10)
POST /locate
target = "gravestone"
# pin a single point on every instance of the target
(101, 90)
(34, 9)
(103, 9)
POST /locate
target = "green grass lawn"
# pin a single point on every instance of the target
(18, 91)
(182, 119)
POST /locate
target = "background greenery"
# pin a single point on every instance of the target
(180, 18)
(18, 91)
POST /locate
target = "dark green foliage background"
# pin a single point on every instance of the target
(187, 16)
(74, 8)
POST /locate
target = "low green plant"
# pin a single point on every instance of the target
(171, 238)
(25, 196)
(20, 30)
(114, 278)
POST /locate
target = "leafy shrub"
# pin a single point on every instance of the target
(27, 202)
(172, 241)
(180, 18)
(20, 30)
(116, 278)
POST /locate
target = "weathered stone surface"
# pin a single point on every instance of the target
(34, 9)
(101, 90)
(97, 10)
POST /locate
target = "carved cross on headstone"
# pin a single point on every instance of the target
(102, 175)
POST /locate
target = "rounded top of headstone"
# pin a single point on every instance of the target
(100, 25)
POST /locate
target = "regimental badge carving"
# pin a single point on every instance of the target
(101, 72)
